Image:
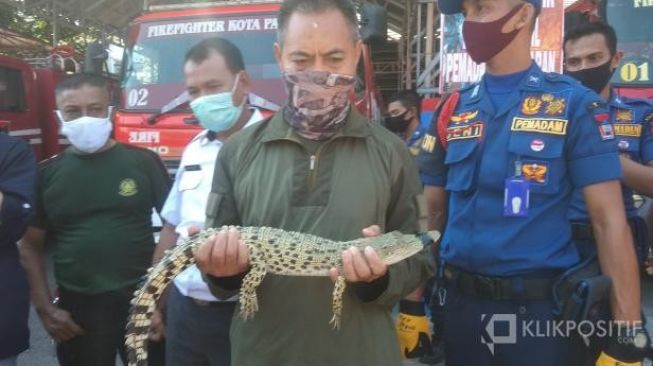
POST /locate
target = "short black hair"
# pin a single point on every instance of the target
(231, 53)
(290, 7)
(409, 99)
(588, 28)
(77, 81)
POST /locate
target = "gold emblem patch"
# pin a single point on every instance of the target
(464, 117)
(535, 172)
(531, 106)
(128, 187)
(627, 129)
(466, 132)
(624, 115)
(550, 126)
(555, 107)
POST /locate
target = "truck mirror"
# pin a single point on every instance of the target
(374, 23)
(95, 58)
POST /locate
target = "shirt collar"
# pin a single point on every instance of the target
(533, 80)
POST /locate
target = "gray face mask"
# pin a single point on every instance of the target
(318, 102)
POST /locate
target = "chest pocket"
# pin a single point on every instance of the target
(539, 158)
(190, 179)
(461, 165)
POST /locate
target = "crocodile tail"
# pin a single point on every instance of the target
(145, 299)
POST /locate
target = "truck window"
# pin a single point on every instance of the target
(12, 91)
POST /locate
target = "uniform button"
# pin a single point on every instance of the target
(522, 310)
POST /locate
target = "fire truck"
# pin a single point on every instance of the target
(154, 111)
(27, 99)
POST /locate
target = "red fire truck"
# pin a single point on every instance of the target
(154, 112)
(27, 99)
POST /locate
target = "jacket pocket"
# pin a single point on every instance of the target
(538, 158)
(190, 179)
(461, 166)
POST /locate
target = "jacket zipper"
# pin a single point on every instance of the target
(313, 164)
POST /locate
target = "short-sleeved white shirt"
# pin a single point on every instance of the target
(186, 202)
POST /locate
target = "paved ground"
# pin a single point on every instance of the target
(42, 351)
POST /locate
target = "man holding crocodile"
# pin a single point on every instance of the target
(315, 167)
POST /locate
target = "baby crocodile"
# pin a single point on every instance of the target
(270, 251)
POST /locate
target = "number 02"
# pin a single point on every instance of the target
(138, 97)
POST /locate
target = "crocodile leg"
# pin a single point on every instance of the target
(248, 299)
(338, 295)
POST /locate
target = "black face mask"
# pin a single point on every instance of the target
(595, 78)
(397, 124)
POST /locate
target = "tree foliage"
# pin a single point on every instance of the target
(11, 18)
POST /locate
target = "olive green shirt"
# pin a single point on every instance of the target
(96, 211)
(266, 175)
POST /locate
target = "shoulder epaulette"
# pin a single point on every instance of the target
(469, 87)
(635, 101)
(555, 77)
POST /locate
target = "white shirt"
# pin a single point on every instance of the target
(186, 203)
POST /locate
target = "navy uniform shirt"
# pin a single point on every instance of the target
(632, 120)
(548, 133)
(17, 184)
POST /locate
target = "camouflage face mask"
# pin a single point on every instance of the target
(318, 102)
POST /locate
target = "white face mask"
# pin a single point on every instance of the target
(87, 134)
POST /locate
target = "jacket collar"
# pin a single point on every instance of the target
(355, 126)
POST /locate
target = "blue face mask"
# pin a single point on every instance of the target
(217, 112)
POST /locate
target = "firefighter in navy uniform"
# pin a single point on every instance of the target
(503, 159)
(591, 56)
(416, 339)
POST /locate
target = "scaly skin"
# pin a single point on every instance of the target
(270, 251)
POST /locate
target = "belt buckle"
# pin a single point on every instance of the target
(485, 287)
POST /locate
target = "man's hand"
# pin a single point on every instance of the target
(157, 328)
(59, 324)
(361, 266)
(223, 255)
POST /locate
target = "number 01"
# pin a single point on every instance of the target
(632, 72)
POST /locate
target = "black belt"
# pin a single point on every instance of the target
(584, 231)
(499, 288)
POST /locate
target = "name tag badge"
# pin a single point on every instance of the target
(516, 197)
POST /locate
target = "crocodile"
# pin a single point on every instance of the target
(270, 251)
